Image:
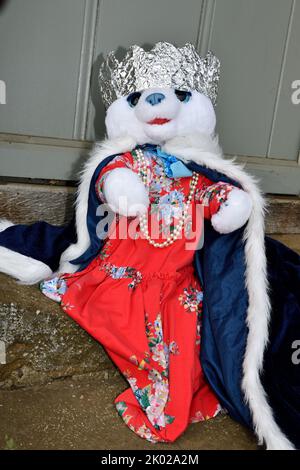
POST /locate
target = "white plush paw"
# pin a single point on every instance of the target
(233, 213)
(125, 193)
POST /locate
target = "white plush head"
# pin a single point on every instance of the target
(156, 115)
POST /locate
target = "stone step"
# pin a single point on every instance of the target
(80, 414)
(39, 343)
(26, 203)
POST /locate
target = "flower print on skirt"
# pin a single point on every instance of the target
(155, 344)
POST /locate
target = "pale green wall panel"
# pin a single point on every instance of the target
(63, 163)
(40, 44)
(40, 161)
(144, 22)
(47, 49)
(249, 37)
(285, 138)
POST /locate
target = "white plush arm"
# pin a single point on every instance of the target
(233, 213)
(125, 193)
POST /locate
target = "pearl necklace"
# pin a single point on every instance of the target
(142, 171)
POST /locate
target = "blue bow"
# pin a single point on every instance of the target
(173, 167)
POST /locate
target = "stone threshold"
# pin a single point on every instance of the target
(27, 203)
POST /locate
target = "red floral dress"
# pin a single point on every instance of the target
(144, 304)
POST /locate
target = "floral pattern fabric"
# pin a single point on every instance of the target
(168, 195)
(54, 288)
(123, 272)
(212, 196)
(145, 306)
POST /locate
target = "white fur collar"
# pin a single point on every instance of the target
(100, 152)
(206, 151)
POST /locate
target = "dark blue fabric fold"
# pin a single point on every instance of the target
(221, 266)
(281, 377)
(41, 241)
(93, 220)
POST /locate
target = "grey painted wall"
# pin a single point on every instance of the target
(50, 54)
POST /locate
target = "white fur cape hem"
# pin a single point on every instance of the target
(23, 268)
(204, 151)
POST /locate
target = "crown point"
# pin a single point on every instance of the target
(164, 65)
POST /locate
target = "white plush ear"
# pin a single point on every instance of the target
(23, 268)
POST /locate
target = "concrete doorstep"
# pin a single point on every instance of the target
(41, 343)
(80, 414)
(27, 203)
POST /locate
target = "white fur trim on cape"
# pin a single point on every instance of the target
(99, 153)
(206, 151)
(23, 268)
(4, 224)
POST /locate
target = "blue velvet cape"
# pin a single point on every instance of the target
(220, 265)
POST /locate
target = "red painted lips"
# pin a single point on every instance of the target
(159, 121)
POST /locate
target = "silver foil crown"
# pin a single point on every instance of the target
(163, 67)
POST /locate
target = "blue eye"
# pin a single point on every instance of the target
(183, 96)
(133, 99)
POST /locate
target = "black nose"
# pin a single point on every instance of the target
(155, 98)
